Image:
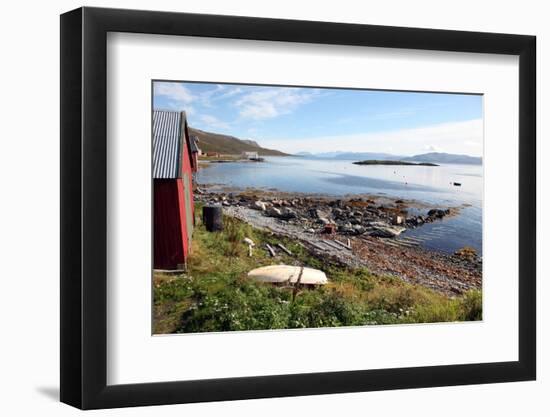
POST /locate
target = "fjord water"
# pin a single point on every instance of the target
(432, 186)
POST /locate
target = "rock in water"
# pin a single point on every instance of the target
(438, 213)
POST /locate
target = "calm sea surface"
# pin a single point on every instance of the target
(430, 185)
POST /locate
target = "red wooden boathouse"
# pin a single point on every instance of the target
(173, 166)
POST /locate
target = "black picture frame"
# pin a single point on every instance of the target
(84, 207)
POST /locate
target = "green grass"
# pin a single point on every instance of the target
(216, 295)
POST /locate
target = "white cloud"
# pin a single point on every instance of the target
(212, 122)
(432, 148)
(272, 102)
(229, 92)
(455, 137)
(219, 92)
(175, 92)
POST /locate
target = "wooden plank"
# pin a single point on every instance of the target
(316, 245)
(342, 244)
(270, 249)
(280, 245)
(405, 244)
(331, 244)
(412, 239)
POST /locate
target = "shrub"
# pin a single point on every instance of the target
(216, 294)
(445, 311)
(234, 233)
(471, 306)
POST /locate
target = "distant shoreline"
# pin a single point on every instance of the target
(384, 162)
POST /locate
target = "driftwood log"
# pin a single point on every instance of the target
(280, 245)
(270, 249)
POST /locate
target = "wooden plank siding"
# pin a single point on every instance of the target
(173, 218)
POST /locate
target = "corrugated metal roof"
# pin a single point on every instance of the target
(167, 143)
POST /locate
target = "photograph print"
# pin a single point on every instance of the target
(294, 207)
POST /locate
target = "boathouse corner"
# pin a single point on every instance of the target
(173, 206)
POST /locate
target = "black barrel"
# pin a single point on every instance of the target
(212, 217)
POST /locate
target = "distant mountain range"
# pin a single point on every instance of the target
(432, 157)
(445, 158)
(348, 155)
(230, 145)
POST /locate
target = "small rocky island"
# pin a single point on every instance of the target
(389, 162)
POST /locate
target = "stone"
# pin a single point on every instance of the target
(345, 229)
(381, 229)
(288, 214)
(438, 213)
(259, 205)
(359, 229)
(317, 214)
(274, 212)
(397, 220)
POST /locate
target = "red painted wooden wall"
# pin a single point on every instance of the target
(174, 215)
(169, 235)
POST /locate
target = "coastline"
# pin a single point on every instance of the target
(372, 226)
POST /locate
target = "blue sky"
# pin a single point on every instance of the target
(295, 119)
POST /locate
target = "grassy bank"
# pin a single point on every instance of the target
(216, 295)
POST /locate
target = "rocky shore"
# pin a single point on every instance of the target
(373, 216)
(357, 231)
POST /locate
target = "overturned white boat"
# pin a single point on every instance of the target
(281, 274)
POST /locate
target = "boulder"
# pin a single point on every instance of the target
(288, 214)
(315, 213)
(438, 213)
(380, 229)
(345, 229)
(397, 220)
(358, 229)
(274, 212)
(259, 205)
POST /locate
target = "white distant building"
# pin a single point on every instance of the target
(250, 155)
